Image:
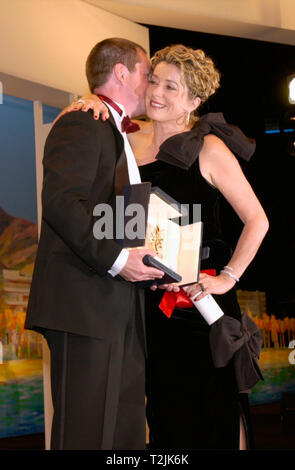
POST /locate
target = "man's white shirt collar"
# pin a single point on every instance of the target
(133, 172)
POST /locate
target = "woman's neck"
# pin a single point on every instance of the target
(164, 130)
(146, 143)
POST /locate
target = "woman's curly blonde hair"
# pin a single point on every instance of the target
(197, 70)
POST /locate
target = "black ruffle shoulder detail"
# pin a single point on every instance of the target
(183, 149)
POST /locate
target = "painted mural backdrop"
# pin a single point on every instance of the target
(277, 359)
(21, 405)
(21, 382)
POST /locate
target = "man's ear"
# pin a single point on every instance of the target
(120, 72)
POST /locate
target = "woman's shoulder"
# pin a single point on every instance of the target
(215, 157)
(214, 147)
(212, 142)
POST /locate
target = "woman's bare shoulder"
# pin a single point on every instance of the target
(215, 157)
(212, 143)
(216, 150)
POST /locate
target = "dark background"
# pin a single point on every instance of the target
(254, 96)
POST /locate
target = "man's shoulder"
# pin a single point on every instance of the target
(78, 123)
(83, 118)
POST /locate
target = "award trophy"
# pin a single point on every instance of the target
(176, 244)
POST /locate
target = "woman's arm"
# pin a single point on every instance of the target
(100, 110)
(220, 167)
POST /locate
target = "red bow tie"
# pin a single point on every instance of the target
(127, 125)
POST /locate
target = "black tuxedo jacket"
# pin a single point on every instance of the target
(71, 289)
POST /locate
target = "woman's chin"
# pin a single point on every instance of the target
(156, 114)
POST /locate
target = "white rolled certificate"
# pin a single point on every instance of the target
(208, 307)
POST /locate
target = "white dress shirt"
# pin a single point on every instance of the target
(134, 178)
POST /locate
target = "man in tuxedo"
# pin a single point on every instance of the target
(83, 297)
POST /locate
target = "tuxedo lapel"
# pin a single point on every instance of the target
(121, 172)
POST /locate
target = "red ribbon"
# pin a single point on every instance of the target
(180, 299)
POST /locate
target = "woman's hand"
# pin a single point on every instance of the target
(207, 285)
(167, 287)
(84, 104)
(210, 285)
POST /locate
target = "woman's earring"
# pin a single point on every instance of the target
(188, 117)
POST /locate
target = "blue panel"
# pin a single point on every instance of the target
(49, 113)
(17, 158)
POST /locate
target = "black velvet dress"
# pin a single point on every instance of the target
(190, 403)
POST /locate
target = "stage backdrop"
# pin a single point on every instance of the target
(21, 373)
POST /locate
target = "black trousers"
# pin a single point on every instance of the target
(98, 391)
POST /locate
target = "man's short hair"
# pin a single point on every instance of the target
(105, 55)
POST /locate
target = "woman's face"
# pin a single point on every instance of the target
(166, 97)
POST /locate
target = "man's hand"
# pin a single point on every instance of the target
(135, 270)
